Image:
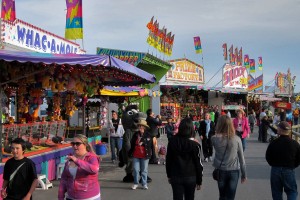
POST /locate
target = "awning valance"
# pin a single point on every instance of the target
(111, 70)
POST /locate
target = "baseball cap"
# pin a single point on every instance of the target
(284, 126)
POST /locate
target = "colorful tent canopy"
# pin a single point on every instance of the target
(112, 70)
(131, 91)
(121, 91)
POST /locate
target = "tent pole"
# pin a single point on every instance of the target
(1, 91)
(83, 120)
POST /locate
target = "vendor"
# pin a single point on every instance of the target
(27, 116)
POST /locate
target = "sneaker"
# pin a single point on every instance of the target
(145, 187)
(210, 159)
(206, 159)
(134, 186)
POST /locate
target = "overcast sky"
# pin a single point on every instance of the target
(267, 28)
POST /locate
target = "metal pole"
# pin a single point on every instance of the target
(1, 92)
(83, 120)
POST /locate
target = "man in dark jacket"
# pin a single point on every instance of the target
(169, 127)
(283, 155)
(153, 123)
(206, 131)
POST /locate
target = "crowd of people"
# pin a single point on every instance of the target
(222, 142)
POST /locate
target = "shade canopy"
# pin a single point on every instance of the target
(111, 70)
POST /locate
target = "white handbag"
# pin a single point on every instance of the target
(120, 131)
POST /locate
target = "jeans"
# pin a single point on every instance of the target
(228, 184)
(207, 147)
(183, 188)
(283, 178)
(115, 142)
(295, 121)
(259, 132)
(140, 165)
(251, 127)
(153, 158)
(242, 139)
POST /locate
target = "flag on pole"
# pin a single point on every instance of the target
(171, 45)
(197, 43)
(240, 57)
(246, 61)
(8, 10)
(260, 66)
(252, 65)
(231, 56)
(74, 28)
(150, 24)
(236, 56)
(225, 51)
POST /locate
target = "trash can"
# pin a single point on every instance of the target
(101, 149)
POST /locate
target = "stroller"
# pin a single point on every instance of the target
(273, 134)
(162, 151)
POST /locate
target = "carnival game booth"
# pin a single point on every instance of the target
(72, 79)
(234, 100)
(149, 63)
(117, 98)
(181, 101)
(181, 93)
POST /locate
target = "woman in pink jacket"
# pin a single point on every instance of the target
(79, 180)
(241, 126)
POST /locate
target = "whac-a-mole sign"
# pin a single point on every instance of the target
(27, 36)
(235, 76)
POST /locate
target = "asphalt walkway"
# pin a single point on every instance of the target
(257, 186)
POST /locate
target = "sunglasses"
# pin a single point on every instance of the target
(76, 143)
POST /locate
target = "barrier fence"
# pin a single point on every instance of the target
(296, 133)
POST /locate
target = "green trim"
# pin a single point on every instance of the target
(150, 59)
(144, 102)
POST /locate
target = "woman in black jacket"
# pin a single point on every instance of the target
(141, 151)
(183, 162)
(265, 124)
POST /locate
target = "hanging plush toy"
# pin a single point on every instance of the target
(69, 105)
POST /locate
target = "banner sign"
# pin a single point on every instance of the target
(235, 76)
(184, 70)
(233, 107)
(282, 85)
(24, 35)
(131, 57)
(255, 84)
(283, 105)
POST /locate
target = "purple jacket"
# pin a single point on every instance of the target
(86, 184)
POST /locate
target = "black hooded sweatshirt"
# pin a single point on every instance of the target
(184, 159)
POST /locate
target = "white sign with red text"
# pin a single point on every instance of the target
(235, 76)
